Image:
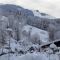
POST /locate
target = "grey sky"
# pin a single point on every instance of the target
(51, 7)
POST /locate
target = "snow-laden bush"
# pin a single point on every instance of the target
(49, 51)
(35, 39)
(53, 46)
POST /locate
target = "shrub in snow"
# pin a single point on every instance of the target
(59, 48)
(49, 51)
(35, 38)
(52, 30)
(12, 52)
(31, 49)
(58, 52)
(53, 47)
(20, 52)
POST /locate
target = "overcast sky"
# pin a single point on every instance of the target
(51, 7)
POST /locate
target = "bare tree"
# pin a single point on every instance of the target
(9, 31)
(52, 30)
(35, 39)
(2, 39)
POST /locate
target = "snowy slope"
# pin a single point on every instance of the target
(9, 8)
(42, 15)
(43, 35)
(33, 56)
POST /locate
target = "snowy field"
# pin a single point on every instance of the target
(42, 35)
(31, 56)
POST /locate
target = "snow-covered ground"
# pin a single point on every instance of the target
(30, 56)
(43, 35)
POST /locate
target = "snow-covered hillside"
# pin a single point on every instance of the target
(42, 15)
(43, 35)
